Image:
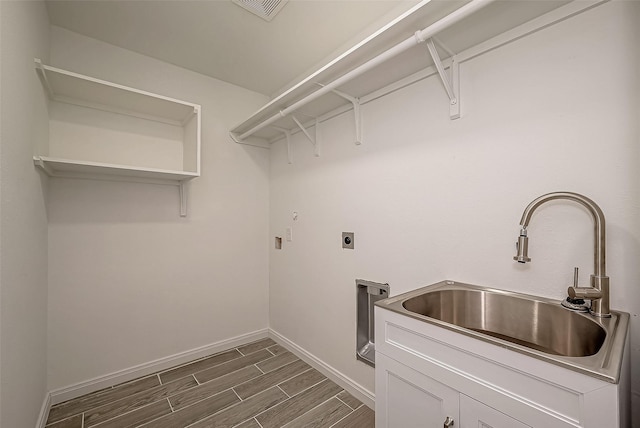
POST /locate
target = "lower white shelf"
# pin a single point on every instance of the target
(56, 167)
(69, 168)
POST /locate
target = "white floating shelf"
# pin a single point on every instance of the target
(73, 88)
(69, 168)
(105, 131)
(402, 53)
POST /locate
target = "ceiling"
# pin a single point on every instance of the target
(222, 40)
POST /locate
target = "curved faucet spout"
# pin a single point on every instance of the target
(599, 279)
(599, 265)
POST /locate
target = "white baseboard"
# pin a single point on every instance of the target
(351, 386)
(72, 391)
(44, 411)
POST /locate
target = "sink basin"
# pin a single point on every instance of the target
(532, 325)
(546, 327)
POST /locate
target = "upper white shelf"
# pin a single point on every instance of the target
(105, 131)
(397, 55)
(73, 88)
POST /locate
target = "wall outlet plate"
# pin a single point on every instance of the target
(347, 240)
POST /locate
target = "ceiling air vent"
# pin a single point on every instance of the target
(265, 9)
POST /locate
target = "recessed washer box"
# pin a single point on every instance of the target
(367, 293)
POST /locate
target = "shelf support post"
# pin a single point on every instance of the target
(454, 109)
(314, 140)
(287, 134)
(356, 111)
(451, 84)
(183, 198)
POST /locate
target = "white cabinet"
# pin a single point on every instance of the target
(411, 399)
(103, 130)
(474, 414)
(426, 373)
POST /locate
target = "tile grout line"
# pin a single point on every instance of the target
(186, 407)
(213, 414)
(241, 353)
(258, 422)
(295, 375)
(197, 381)
(202, 359)
(170, 406)
(345, 416)
(315, 407)
(217, 365)
(272, 407)
(130, 410)
(48, 424)
(340, 420)
(344, 402)
(82, 425)
(126, 412)
(206, 398)
(111, 401)
(256, 366)
(278, 386)
(239, 398)
(307, 388)
(280, 383)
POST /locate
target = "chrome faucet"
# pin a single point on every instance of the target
(598, 292)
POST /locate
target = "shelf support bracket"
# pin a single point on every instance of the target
(37, 160)
(287, 134)
(451, 83)
(356, 111)
(42, 74)
(313, 139)
(183, 198)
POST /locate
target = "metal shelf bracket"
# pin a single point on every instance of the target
(287, 134)
(356, 111)
(183, 198)
(313, 139)
(451, 83)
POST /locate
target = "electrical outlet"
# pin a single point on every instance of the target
(347, 240)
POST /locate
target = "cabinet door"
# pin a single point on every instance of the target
(406, 398)
(474, 414)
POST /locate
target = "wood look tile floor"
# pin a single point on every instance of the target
(259, 385)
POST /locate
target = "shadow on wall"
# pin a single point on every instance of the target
(94, 201)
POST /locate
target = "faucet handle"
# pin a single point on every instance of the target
(571, 291)
(576, 292)
(574, 302)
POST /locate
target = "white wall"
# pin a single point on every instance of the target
(130, 281)
(23, 223)
(431, 199)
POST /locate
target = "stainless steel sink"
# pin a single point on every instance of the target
(532, 325)
(538, 325)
